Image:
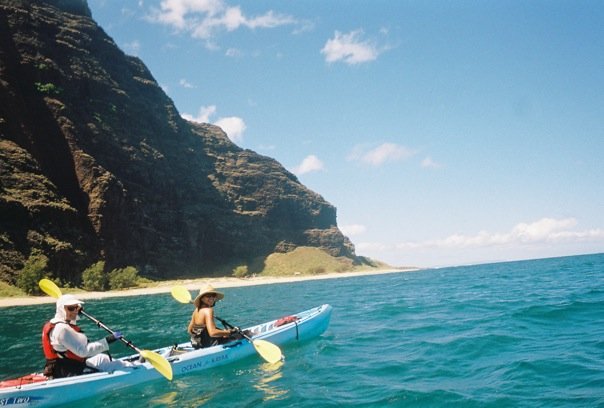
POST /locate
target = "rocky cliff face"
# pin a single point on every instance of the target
(96, 163)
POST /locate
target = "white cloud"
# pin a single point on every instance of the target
(132, 47)
(304, 26)
(544, 238)
(186, 84)
(269, 20)
(203, 116)
(177, 13)
(428, 163)
(386, 152)
(204, 18)
(353, 229)
(349, 48)
(309, 164)
(233, 126)
(545, 230)
(233, 52)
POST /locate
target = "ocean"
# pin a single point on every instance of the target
(513, 334)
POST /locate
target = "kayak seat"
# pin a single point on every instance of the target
(26, 379)
(179, 350)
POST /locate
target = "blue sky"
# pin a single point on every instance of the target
(445, 133)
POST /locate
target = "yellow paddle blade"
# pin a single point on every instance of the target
(181, 294)
(50, 288)
(267, 350)
(161, 364)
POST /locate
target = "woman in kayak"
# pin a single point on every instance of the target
(202, 327)
(67, 349)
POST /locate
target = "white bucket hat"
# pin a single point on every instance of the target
(62, 301)
(69, 300)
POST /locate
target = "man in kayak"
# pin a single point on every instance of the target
(202, 327)
(67, 349)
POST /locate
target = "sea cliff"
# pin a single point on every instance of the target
(96, 163)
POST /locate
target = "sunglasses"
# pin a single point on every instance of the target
(210, 295)
(73, 308)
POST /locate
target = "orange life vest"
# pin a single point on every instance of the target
(49, 352)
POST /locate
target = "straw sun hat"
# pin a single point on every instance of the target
(204, 291)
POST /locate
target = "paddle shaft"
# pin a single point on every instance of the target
(230, 326)
(105, 327)
(225, 323)
(157, 361)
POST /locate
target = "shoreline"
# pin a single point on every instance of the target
(194, 284)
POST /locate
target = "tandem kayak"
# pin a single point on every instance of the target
(35, 390)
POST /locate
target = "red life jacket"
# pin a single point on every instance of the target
(49, 352)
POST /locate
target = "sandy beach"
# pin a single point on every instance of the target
(194, 284)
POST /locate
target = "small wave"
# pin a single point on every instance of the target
(560, 311)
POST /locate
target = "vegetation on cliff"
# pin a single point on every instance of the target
(301, 262)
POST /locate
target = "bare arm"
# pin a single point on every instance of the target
(213, 331)
(192, 322)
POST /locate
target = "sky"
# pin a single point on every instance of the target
(444, 132)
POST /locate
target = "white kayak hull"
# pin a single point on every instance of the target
(184, 360)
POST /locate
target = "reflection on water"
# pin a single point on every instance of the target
(165, 400)
(195, 402)
(270, 368)
(269, 374)
(182, 400)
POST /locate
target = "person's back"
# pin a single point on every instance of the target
(202, 327)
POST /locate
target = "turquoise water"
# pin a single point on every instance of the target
(517, 334)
